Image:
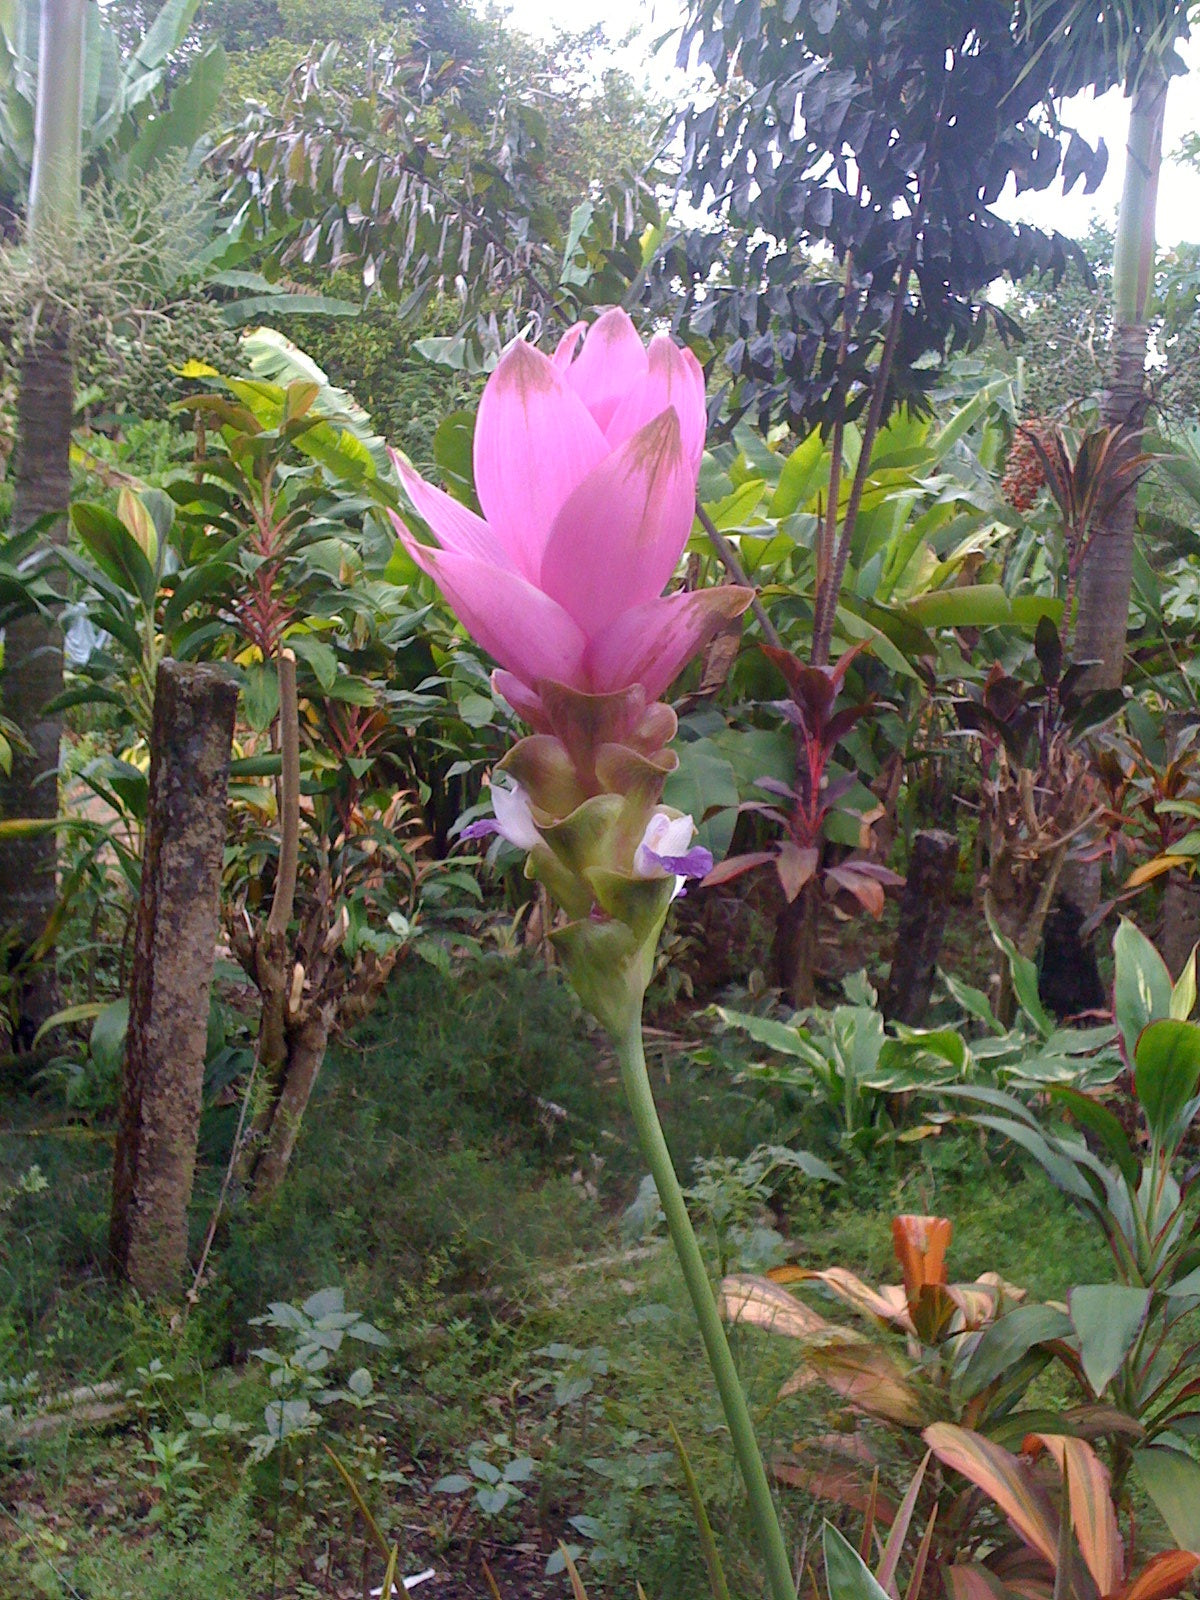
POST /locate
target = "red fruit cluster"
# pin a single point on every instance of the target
(1023, 473)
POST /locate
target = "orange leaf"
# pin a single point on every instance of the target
(920, 1244)
(795, 866)
(1092, 1512)
(869, 1379)
(1163, 1575)
(887, 1303)
(1149, 870)
(970, 1581)
(1003, 1479)
(745, 1297)
(837, 1484)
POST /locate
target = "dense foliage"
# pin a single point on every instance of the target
(427, 1320)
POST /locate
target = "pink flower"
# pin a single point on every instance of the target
(585, 467)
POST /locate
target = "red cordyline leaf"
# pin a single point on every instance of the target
(1004, 1479)
(813, 689)
(733, 867)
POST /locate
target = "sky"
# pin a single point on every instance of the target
(1107, 117)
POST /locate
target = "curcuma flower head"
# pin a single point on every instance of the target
(586, 466)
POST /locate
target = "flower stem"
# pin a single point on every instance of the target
(720, 1357)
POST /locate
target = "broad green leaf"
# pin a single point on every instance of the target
(1005, 1342)
(803, 472)
(980, 605)
(1107, 1318)
(1183, 994)
(1172, 1481)
(1024, 979)
(318, 655)
(847, 1575)
(1166, 1073)
(765, 1030)
(1141, 984)
(704, 781)
(114, 550)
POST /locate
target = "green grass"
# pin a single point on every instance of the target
(462, 1174)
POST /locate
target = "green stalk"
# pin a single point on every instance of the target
(1133, 248)
(54, 182)
(712, 1331)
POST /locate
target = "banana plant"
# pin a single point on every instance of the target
(928, 548)
(126, 126)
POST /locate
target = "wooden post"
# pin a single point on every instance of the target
(924, 907)
(177, 924)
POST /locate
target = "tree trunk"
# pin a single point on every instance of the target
(1179, 920)
(1106, 573)
(796, 946)
(33, 676)
(177, 925)
(306, 1053)
(924, 908)
(41, 485)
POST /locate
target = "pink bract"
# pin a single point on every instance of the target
(585, 468)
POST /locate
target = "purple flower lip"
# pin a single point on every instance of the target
(480, 829)
(694, 863)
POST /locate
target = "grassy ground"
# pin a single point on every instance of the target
(463, 1178)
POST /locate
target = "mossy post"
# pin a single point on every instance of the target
(924, 909)
(177, 924)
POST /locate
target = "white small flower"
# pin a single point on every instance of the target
(514, 816)
(665, 850)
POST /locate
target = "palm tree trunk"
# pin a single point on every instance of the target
(33, 665)
(33, 676)
(1106, 573)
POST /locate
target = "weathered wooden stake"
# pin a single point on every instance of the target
(924, 906)
(177, 924)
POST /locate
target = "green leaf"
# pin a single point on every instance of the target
(1102, 1122)
(318, 655)
(1183, 994)
(846, 1573)
(1141, 984)
(1166, 1072)
(1005, 1342)
(765, 1030)
(704, 782)
(1172, 1481)
(260, 695)
(1108, 1318)
(324, 1303)
(980, 605)
(1024, 979)
(114, 550)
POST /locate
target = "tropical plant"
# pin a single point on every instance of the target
(1121, 1341)
(798, 857)
(1038, 796)
(865, 131)
(932, 1350)
(845, 1068)
(1056, 1498)
(1078, 45)
(76, 110)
